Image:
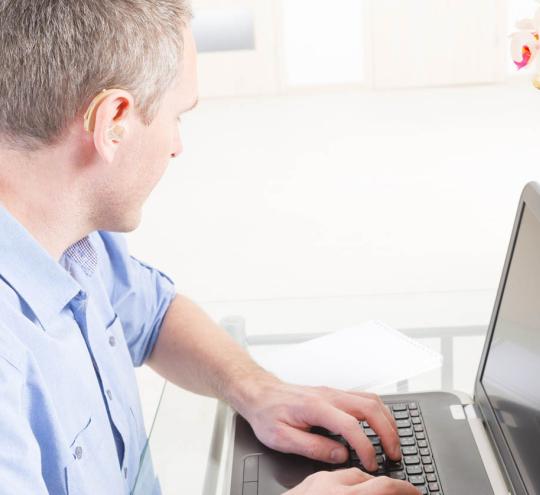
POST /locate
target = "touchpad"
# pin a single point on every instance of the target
(258, 470)
(278, 470)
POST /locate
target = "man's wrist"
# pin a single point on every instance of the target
(247, 387)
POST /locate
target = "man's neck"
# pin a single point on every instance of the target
(39, 194)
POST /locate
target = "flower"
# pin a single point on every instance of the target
(525, 45)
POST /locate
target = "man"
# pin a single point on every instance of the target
(90, 96)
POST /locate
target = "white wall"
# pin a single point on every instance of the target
(321, 43)
(416, 43)
(378, 43)
(337, 194)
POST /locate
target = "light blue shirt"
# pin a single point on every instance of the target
(71, 333)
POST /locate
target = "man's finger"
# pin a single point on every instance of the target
(372, 410)
(378, 486)
(384, 407)
(338, 421)
(351, 476)
(295, 441)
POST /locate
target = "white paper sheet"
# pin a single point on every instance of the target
(364, 357)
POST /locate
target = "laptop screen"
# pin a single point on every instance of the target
(511, 376)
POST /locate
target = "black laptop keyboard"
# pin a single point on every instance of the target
(416, 466)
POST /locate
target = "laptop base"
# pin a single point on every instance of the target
(258, 470)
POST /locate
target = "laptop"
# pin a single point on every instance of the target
(487, 447)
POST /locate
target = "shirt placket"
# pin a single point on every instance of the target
(79, 306)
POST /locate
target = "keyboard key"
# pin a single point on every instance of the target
(424, 451)
(417, 480)
(397, 475)
(414, 414)
(403, 423)
(393, 465)
(375, 440)
(405, 432)
(431, 477)
(406, 441)
(433, 487)
(409, 450)
(413, 405)
(418, 428)
(411, 459)
(399, 407)
(378, 449)
(422, 444)
(414, 470)
(428, 468)
(416, 421)
(423, 490)
(401, 415)
(426, 460)
(420, 435)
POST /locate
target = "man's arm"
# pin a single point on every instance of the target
(196, 354)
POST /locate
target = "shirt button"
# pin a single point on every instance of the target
(112, 341)
(78, 452)
(109, 394)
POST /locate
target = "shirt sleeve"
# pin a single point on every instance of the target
(140, 295)
(20, 456)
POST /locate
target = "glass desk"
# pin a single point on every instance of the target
(187, 445)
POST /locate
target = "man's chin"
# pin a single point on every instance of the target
(133, 222)
(128, 223)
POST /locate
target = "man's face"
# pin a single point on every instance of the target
(148, 150)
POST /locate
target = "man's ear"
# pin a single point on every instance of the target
(110, 119)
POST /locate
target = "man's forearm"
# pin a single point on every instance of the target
(195, 353)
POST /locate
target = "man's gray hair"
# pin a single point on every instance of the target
(57, 55)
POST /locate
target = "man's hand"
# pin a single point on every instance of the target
(351, 482)
(282, 416)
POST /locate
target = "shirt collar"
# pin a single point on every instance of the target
(84, 254)
(39, 279)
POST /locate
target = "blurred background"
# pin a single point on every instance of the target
(349, 160)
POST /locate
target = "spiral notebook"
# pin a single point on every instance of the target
(364, 357)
